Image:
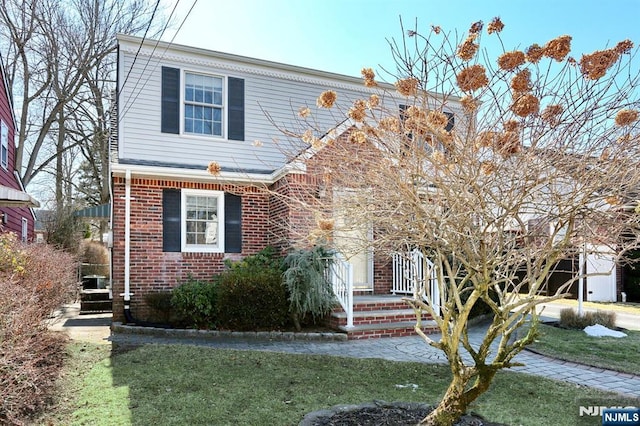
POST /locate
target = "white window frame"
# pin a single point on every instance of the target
(4, 145)
(222, 106)
(25, 229)
(202, 248)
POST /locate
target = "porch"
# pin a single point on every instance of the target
(382, 315)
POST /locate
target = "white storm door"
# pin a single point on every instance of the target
(353, 241)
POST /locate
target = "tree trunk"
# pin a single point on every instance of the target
(457, 398)
(296, 321)
(59, 165)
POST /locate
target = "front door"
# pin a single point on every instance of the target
(352, 241)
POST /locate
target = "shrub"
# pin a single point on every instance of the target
(251, 294)
(159, 302)
(310, 292)
(252, 300)
(267, 258)
(569, 318)
(194, 303)
(34, 281)
(94, 257)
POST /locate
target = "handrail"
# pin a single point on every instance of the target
(341, 276)
(411, 271)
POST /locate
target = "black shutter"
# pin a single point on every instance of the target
(451, 122)
(170, 110)
(171, 220)
(232, 223)
(236, 109)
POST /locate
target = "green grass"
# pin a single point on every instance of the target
(188, 385)
(621, 354)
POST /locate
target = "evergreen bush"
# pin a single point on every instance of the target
(310, 292)
(194, 303)
(252, 300)
(251, 295)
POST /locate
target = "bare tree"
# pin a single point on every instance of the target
(542, 160)
(55, 51)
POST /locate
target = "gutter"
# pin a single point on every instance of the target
(201, 175)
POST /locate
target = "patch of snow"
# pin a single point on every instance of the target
(602, 331)
(413, 386)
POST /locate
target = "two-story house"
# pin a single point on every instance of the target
(16, 206)
(178, 109)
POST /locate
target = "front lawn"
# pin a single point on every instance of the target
(621, 354)
(180, 384)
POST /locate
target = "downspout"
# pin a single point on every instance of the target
(127, 246)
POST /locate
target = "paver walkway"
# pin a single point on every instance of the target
(96, 328)
(411, 349)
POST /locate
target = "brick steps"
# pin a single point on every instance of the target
(380, 316)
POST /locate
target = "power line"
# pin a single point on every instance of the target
(143, 38)
(135, 95)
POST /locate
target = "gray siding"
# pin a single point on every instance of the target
(271, 106)
(273, 95)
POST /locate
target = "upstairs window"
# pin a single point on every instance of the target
(4, 149)
(203, 104)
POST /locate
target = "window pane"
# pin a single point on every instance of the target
(201, 220)
(200, 92)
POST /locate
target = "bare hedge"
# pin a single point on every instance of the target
(34, 280)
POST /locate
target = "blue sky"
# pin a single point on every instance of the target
(345, 35)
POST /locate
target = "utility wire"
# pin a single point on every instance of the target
(140, 47)
(135, 97)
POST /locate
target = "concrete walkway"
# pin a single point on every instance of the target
(95, 328)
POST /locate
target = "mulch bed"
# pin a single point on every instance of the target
(382, 414)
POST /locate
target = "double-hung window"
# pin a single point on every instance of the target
(4, 146)
(203, 221)
(203, 104)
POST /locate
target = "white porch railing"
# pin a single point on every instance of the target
(340, 274)
(411, 271)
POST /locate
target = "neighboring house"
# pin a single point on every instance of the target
(16, 206)
(178, 109)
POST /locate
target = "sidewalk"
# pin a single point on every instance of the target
(90, 328)
(95, 328)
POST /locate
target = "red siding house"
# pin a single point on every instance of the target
(180, 108)
(16, 206)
